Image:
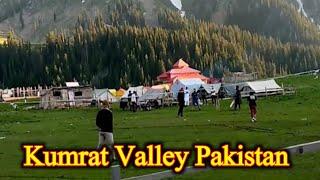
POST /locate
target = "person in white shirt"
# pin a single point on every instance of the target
(187, 97)
(134, 101)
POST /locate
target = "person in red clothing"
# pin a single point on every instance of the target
(253, 106)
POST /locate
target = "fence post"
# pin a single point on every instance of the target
(115, 172)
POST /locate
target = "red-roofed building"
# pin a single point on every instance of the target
(181, 70)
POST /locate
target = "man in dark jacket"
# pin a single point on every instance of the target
(104, 122)
(181, 102)
(195, 99)
(237, 98)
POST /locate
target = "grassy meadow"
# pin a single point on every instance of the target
(282, 121)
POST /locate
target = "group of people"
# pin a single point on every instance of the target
(196, 97)
(104, 119)
(133, 101)
(201, 94)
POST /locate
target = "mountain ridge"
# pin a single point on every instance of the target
(32, 20)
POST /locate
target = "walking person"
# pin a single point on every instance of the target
(237, 99)
(195, 99)
(253, 106)
(187, 97)
(104, 122)
(181, 102)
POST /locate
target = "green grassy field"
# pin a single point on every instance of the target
(282, 121)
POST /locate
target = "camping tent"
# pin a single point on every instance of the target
(139, 89)
(113, 92)
(161, 86)
(120, 92)
(262, 86)
(210, 87)
(269, 86)
(184, 83)
(104, 95)
(152, 94)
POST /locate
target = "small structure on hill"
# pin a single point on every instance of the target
(181, 70)
(65, 97)
(237, 77)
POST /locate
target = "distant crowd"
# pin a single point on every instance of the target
(200, 97)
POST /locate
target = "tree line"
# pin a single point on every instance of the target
(120, 55)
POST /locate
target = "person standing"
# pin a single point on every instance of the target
(187, 97)
(181, 102)
(203, 95)
(129, 100)
(134, 102)
(1, 99)
(253, 106)
(214, 98)
(237, 99)
(195, 99)
(104, 122)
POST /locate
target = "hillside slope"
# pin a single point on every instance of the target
(34, 19)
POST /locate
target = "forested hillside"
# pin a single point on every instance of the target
(114, 56)
(276, 18)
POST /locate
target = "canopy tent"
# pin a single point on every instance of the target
(209, 87)
(139, 89)
(104, 95)
(152, 94)
(191, 84)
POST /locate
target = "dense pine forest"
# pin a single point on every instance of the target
(119, 51)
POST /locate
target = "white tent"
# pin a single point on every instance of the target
(104, 95)
(210, 87)
(184, 83)
(263, 86)
(139, 89)
(152, 94)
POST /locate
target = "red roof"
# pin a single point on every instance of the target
(181, 70)
(184, 70)
(190, 76)
(180, 64)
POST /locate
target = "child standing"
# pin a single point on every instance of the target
(253, 106)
